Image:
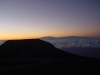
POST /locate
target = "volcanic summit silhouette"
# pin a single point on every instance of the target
(34, 56)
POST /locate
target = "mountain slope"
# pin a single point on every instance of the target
(28, 57)
(31, 48)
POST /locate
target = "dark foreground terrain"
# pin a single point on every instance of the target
(37, 57)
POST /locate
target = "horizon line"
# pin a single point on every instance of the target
(45, 36)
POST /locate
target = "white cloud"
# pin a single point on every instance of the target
(70, 43)
(1, 42)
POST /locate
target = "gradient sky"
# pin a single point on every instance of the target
(38, 18)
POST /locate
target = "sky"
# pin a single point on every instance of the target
(22, 19)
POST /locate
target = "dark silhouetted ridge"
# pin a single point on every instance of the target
(32, 48)
(37, 57)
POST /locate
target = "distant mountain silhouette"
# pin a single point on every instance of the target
(37, 57)
(70, 37)
(75, 37)
(49, 37)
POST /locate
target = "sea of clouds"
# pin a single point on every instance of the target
(2, 41)
(80, 46)
(74, 43)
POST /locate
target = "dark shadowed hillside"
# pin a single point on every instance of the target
(32, 48)
(37, 57)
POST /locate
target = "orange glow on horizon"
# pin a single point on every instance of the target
(40, 33)
(35, 36)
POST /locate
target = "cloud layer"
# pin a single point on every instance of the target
(74, 43)
(1, 42)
